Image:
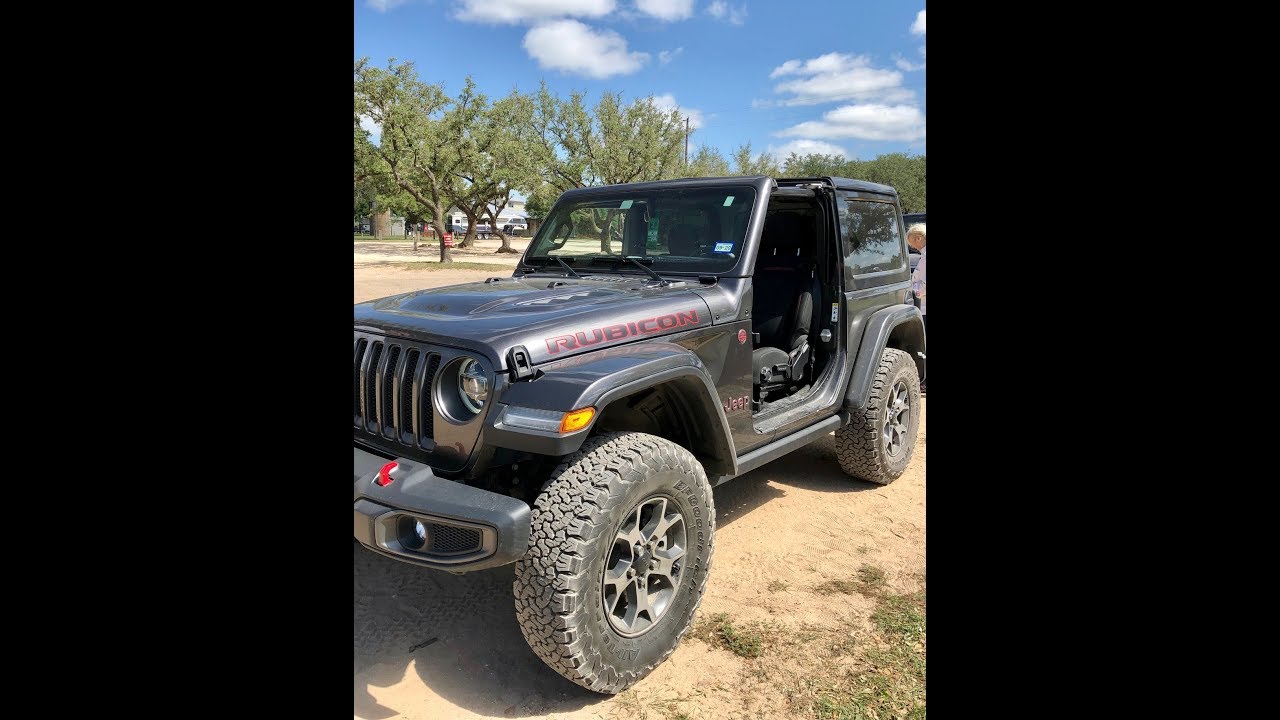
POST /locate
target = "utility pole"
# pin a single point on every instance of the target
(686, 141)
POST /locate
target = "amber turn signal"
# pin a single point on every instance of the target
(577, 419)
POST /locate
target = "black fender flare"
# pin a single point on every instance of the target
(897, 326)
(598, 379)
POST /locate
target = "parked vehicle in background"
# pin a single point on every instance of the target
(516, 227)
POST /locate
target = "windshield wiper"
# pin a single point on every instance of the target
(546, 262)
(635, 260)
(566, 266)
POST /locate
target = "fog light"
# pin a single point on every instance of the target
(413, 534)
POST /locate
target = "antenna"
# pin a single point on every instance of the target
(686, 141)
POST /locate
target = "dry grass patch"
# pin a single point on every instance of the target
(855, 671)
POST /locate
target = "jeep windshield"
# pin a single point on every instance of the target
(689, 230)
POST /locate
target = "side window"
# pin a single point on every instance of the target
(872, 241)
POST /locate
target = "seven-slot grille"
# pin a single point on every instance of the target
(391, 391)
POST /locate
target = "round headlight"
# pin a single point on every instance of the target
(473, 385)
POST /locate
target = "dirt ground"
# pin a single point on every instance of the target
(379, 268)
(432, 645)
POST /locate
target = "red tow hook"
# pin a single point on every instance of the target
(384, 475)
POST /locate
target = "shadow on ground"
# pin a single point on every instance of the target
(460, 631)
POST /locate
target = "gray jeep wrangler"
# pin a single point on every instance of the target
(655, 340)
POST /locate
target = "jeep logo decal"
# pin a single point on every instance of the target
(621, 331)
(734, 404)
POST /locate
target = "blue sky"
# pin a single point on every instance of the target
(841, 76)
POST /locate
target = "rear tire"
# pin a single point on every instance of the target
(877, 444)
(600, 610)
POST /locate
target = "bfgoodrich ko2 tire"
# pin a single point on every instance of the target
(618, 558)
(877, 444)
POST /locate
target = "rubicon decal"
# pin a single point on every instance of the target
(622, 331)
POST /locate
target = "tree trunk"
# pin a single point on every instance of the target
(506, 240)
(439, 217)
(440, 231)
(381, 224)
(606, 242)
(470, 238)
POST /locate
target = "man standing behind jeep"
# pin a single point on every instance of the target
(916, 239)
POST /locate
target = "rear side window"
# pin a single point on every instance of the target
(872, 240)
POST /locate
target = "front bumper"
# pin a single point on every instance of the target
(437, 523)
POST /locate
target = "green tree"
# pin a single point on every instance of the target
(813, 165)
(635, 143)
(906, 173)
(707, 162)
(498, 164)
(466, 142)
(615, 143)
(410, 150)
(559, 136)
(763, 164)
(540, 200)
(365, 195)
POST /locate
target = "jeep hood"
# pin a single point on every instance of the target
(552, 317)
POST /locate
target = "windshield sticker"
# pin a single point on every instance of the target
(728, 201)
(626, 204)
(724, 247)
(653, 232)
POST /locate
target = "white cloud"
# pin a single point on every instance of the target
(666, 9)
(831, 62)
(668, 102)
(917, 27)
(579, 49)
(516, 11)
(383, 5)
(667, 56)
(806, 147)
(836, 76)
(722, 10)
(903, 123)
(906, 65)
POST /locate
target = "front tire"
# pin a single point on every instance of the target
(619, 552)
(877, 444)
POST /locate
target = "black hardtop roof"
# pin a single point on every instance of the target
(845, 184)
(760, 182)
(753, 180)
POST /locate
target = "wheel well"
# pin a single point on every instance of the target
(909, 338)
(674, 410)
